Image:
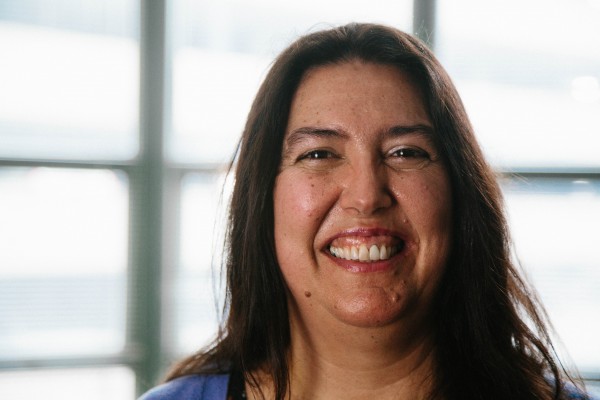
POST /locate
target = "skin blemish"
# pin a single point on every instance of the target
(307, 293)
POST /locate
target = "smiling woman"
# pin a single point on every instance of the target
(364, 194)
(368, 253)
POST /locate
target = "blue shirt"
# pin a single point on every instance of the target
(214, 387)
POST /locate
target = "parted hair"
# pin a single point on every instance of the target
(491, 336)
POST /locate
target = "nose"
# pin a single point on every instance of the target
(366, 190)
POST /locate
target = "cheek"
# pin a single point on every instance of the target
(300, 205)
(436, 211)
(428, 205)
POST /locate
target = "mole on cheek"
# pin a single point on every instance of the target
(307, 293)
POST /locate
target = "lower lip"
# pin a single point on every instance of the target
(364, 267)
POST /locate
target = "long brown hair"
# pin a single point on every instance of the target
(491, 337)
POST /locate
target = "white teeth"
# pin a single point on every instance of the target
(374, 253)
(383, 254)
(347, 253)
(364, 253)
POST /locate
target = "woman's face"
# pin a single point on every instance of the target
(362, 202)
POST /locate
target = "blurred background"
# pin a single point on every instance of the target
(118, 117)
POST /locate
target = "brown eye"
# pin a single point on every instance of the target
(316, 155)
(408, 158)
(411, 152)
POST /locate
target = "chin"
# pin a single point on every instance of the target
(373, 308)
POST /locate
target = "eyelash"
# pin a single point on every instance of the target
(316, 155)
(407, 157)
(410, 152)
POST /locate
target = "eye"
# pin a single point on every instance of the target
(316, 155)
(411, 152)
(408, 157)
(320, 160)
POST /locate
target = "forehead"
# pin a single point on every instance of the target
(358, 95)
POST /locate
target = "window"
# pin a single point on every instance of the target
(528, 74)
(118, 118)
(68, 138)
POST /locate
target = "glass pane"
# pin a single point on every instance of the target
(115, 383)
(593, 388)
(529, 74)
(556, 226)
(70, 78)
(197, 283)
(63, 252)
(222, 50)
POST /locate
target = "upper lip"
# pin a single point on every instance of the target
(367, 232)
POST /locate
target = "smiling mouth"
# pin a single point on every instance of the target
(365, 253)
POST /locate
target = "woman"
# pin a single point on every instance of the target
(368, 253)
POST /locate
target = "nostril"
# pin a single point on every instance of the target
(366, 200)
(366, 187)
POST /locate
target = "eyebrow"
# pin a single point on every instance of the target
(298, 134)
(398, 130)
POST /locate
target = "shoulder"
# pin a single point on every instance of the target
(192, 387)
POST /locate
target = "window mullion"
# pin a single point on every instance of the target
(424, 21)
(147, 182)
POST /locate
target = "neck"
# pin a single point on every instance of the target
(336, 360)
